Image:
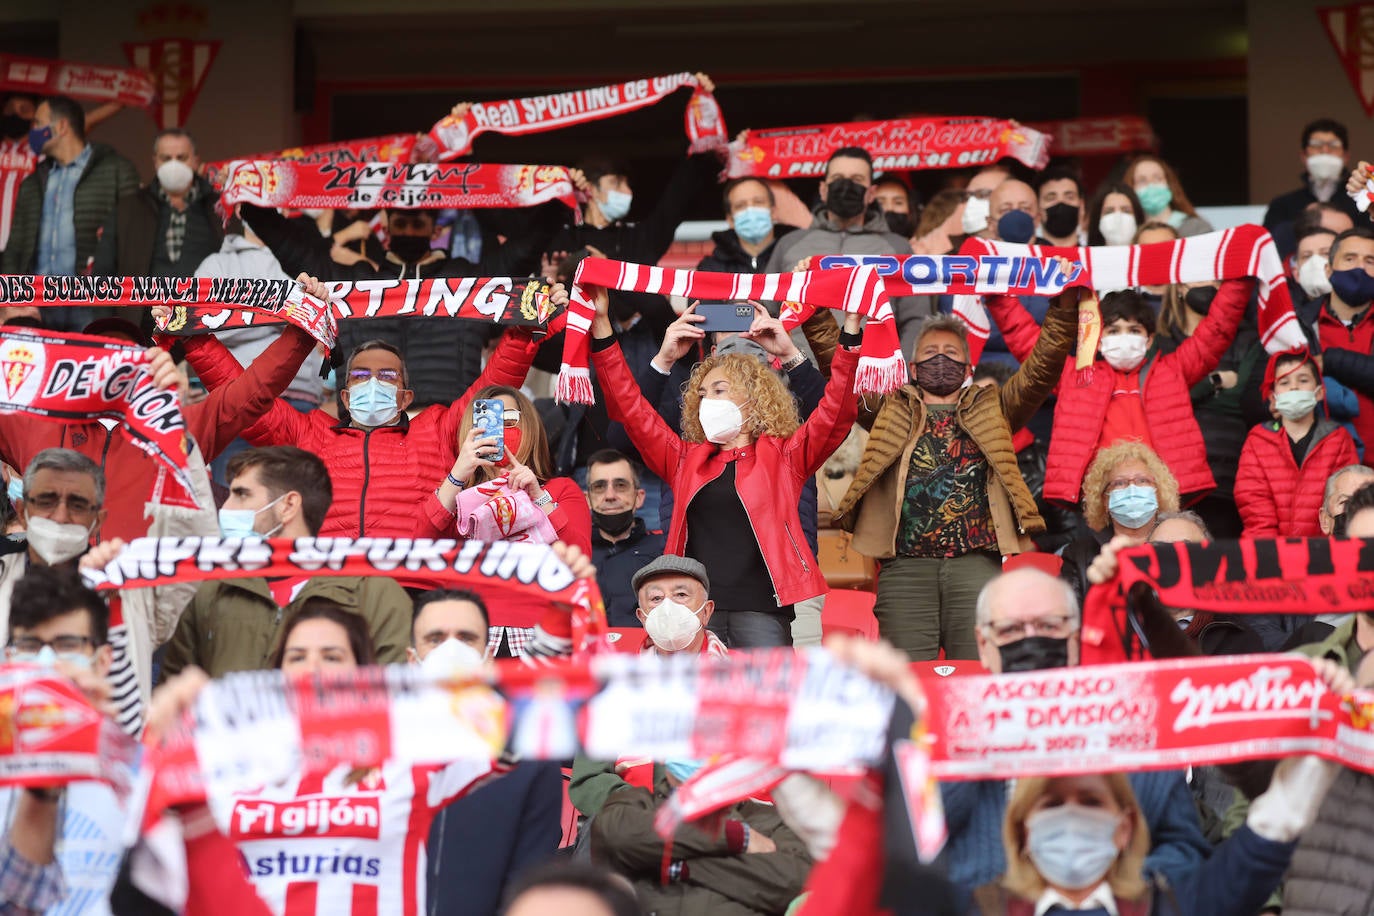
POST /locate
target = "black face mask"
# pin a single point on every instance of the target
(900, 223)
(409, 248)
(1199, 298)
(613, 523)
(1338, 525)
(844, 197)
(1034, 653)
(1061, 220)
(12, 127)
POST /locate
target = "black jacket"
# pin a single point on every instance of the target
(616, 565)
(133, 241)
(1285, 208)
(731, 258)
(443, 356)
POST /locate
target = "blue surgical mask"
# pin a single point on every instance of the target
(15, 489)
(1155, 198)
(683, 769)
(1133, 506)
(38, 138)
(238, 523)
(752, 224)
(373, 403)
(49, 659)
(616, 205)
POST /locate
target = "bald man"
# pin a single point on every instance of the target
(1029, 621)
(1009, 196)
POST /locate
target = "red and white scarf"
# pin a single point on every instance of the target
(858, 290)
(1099, 136)
(94, 82)
(704, 124)
(45, 374)
(897, 145)
(1245, 251)
(415, 185)
(451, 137)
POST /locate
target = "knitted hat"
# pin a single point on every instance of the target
(668, 565)
(1271, 371)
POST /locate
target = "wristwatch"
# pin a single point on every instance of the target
(796, 360)
(543, 499)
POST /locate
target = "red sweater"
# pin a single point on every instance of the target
(1275, 496)
(380, 476)
(1164, 383)
(130, 474)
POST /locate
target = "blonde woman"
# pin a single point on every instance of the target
(1125, 490)
(737, 470)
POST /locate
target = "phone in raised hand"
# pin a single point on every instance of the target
(489, 419)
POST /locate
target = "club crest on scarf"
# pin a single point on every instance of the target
(17, 362)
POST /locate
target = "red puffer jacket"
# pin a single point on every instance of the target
(1275, 496)
(130, 475)
(380, 476)
(1164, 383)
(769, 475)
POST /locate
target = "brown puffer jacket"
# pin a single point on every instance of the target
(872, 507)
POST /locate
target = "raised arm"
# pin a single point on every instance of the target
(1018, 326)
(1042, 368)
(1200, 353)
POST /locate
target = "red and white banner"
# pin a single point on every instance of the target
(50, 734)
(92, 82)
(1099, 136)
(414, 185)
(904, 144)
(179, 65)
(1348, 27)
(1243, 251)
(1143, 716)
(705, 126)
(76, 377)
(388, 148)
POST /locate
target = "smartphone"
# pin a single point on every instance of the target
(489, 419)
(725, 316)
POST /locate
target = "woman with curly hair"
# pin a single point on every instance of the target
(737, 472)
(1126, 488)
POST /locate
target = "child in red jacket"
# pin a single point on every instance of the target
(1285, 462)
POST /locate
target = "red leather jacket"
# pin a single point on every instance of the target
(1276, 498)
(1164, 382)
(380, 476)
(769, 474)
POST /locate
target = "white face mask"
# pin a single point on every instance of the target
(1072, 846)
(721, 420)
(1123, 352)
(451, 658)
(1117, 228)
(672, 626)
(57, 543)
(175, 176)
(1312, 277)
(975, 218)
(1325, 167)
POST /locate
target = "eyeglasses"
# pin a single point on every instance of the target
(32, 645)
(510, 418)
(619, 486)
(1009, 631)
(391, 376)
(1121, 483)
(1327, 146)
(77, 506)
